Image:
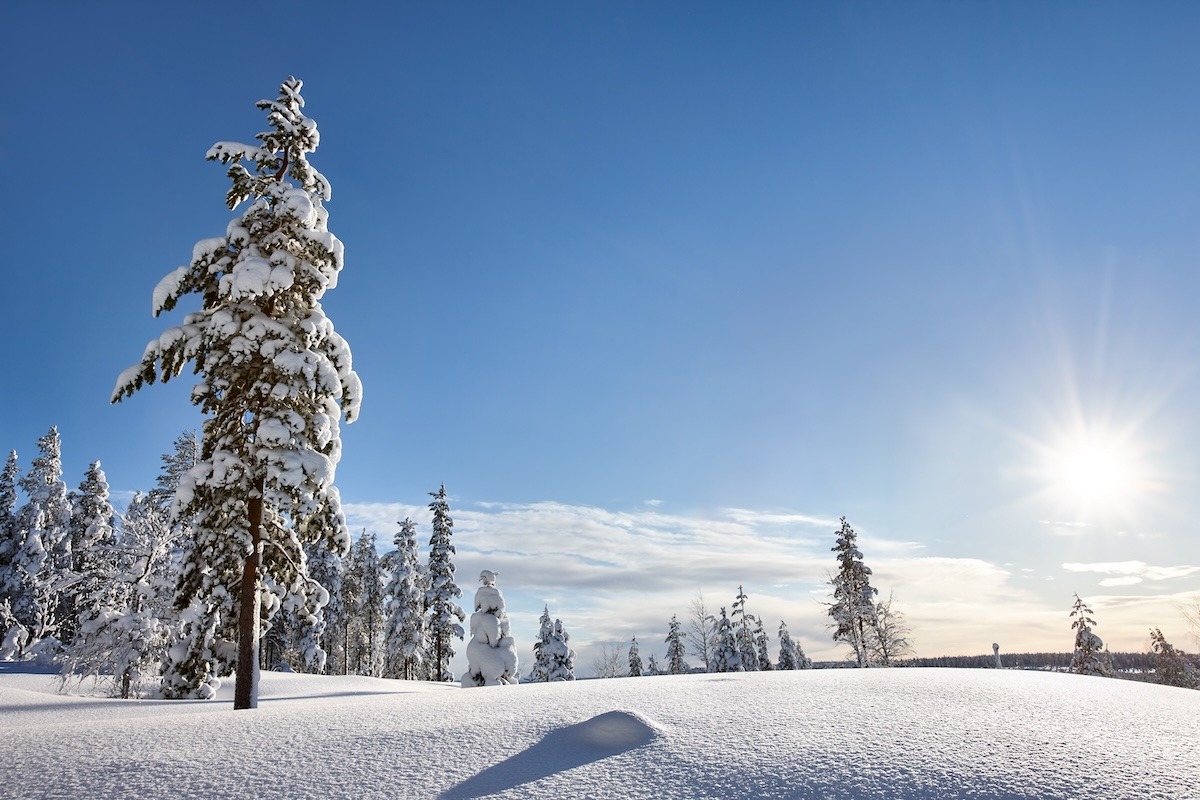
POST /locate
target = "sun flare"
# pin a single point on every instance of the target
(1093, 473)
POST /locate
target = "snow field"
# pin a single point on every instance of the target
(901, 733)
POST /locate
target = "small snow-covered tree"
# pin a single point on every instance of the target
(124, 615)
(652, 666)
(1089, 648)
(540, 672)
(274, 380)
(328, 628)
(635, 660)
(725, 656)
(1172, 667)
(761, 644)
(491, 653)
(791, 655)
(853, 606)
(445, 615)
(42, 545)
(676, 662)
(744, 632)
(562, 657)
(406, 640)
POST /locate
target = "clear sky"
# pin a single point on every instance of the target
(661, 290)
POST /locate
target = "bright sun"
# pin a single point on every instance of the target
(1093, 473)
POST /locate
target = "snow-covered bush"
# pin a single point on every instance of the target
(491, 653)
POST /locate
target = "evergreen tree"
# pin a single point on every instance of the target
(275, 378)
(1171, 667)
(676, 663)
(363, 586)
(540, 673)
(652, 667)
(445, 616)
(42, 545)
(491, 653)
(635, 660)
(853, 606)
(329, 627)
(124, 609)
(744, 634)
(1089, 649)
(91, 530)
(175, 465)
(725, 650)
(761, 643)
(562, 657)
(791, 654)
(406, 640)
(8, 521)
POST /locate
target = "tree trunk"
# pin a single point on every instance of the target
(245, 687)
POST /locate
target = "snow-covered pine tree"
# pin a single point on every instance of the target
(1089, 656)
(743, 633)
(405, 636)
(1172, 667)
(635, 660)
(445, 615)
(175, 465)
(853, 606)
(787, 648)
(43, 547)
(562, 657)
(366, 611)
(652, 667)
(91, 531)
(725, 656)
(676, 651)
(326, 632)
(11, 631)
(491, 653)
(123, 632)
(8, 519)
(761, 643)
(540, 673)
(275, 378)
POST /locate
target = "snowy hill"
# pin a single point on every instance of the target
(901, 733)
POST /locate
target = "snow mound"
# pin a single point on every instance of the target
(616, 731)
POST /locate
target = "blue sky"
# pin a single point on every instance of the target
(662, 290)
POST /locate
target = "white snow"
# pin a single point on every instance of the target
(915, 734)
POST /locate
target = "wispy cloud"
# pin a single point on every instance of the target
(1129, 573)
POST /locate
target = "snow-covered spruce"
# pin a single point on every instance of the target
(853, 606)
(445, 616)
(405, 634)
(676, 662)
(725, 656)
(635, 659)
(791, 655)
(744, 634)
(1089, 658)
(274, 380)
(491, 653)
(561, 656)
(540, 671)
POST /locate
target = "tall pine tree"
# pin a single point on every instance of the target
(445, 615)
(274, 379)
(405, 635)
(853, 606)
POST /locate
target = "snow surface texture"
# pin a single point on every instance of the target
(924, 734)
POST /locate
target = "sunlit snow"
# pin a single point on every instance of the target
(900, 733)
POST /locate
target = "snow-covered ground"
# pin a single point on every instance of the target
(901, 733)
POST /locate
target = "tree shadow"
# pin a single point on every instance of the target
(586, 742)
